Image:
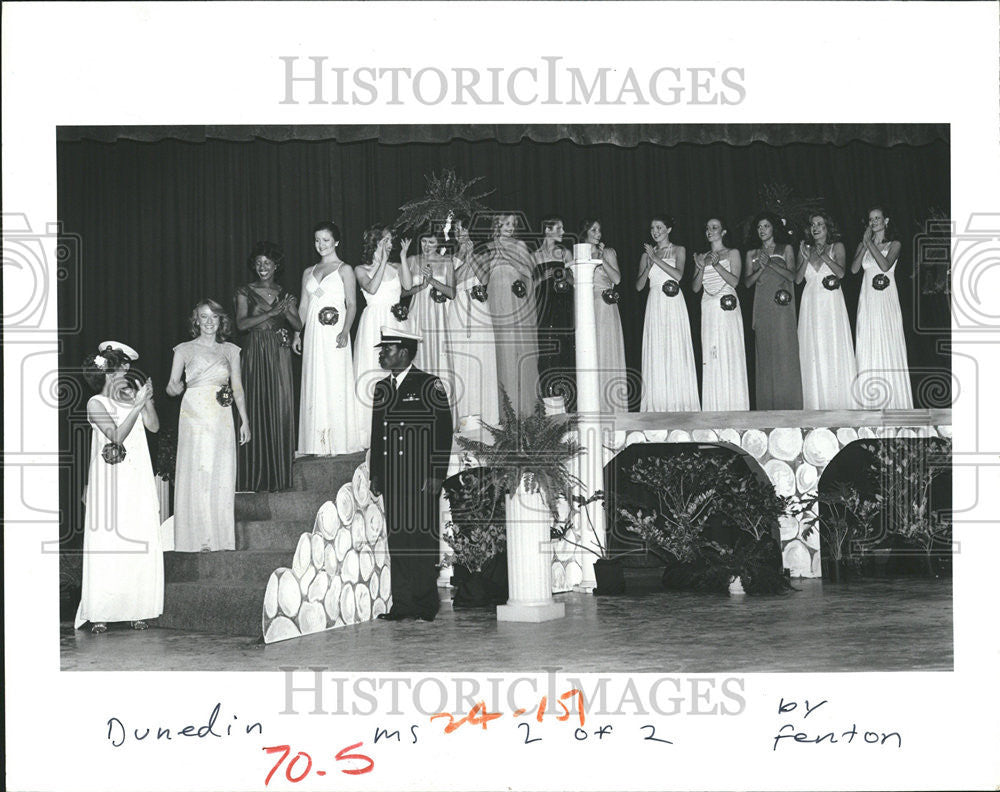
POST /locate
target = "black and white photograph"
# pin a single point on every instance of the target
(501, 400)
(725, 319)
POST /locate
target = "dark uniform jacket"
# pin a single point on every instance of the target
(411, 435)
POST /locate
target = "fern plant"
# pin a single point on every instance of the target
(447, 195)
(535, 449)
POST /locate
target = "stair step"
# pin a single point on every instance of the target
(249, 567)
(271, 534)
(230, 609)
(309, 473)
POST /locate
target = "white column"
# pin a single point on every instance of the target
(529, 561)
(588, 405)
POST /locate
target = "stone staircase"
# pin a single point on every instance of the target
(223, 592)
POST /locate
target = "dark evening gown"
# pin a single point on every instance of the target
(556, 347)
(265, 463)
(776, 340)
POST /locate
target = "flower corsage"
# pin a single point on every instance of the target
(831, 282)
(400, 311)
(610, 295)
(783, 297)
(284, 337)
(438, 296)
(224, 395)
(880, 282)
(518, 288)
(479, 292)
(671, 288)
(113, 453)
(328, 315)
(728, 302)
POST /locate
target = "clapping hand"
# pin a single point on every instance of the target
(650, 250)
(282, 305)
(145, 393)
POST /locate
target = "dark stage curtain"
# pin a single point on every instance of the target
(162, 224)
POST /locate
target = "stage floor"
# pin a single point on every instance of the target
(872, 625)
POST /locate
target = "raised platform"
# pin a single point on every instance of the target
(223, 592)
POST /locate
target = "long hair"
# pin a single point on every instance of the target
(832, 229)
(890, 228)
(585, 225)
(225, 323)
(780, 230)
(498, 220)
(369, 242)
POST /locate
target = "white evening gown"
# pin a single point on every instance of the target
(883, 374)
(122, 558)
(329, 410)
(826, 353)
(472, 351)
(367, 371)
(724, 360)
(669, 382)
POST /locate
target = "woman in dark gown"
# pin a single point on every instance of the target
(770, 270)
(268, 314)
(554, 296)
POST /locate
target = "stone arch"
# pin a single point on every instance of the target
(889, 555)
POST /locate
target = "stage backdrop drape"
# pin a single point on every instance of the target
(163, 224)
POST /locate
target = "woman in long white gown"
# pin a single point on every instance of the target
(669, 381)
(207, 371)
(610, 340)
(329, 409)
(433, 276)
(508, 267)
(382, 282)
(826, 352)
(723, 355)
(471, 340)
(122, 557)
(883, 373)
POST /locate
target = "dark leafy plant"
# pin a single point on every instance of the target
(580, 503)
(932, 255)
(166, 454)
(535, 449)
(904, 471)
(694, 489)
(447, 195)
(788, 206)
(477, 530)
(845, 514)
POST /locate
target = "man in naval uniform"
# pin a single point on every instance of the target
(411, 445)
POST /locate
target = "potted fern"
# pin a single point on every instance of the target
(528, 462)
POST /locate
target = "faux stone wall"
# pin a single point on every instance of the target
(339, 573)
(794, 460)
